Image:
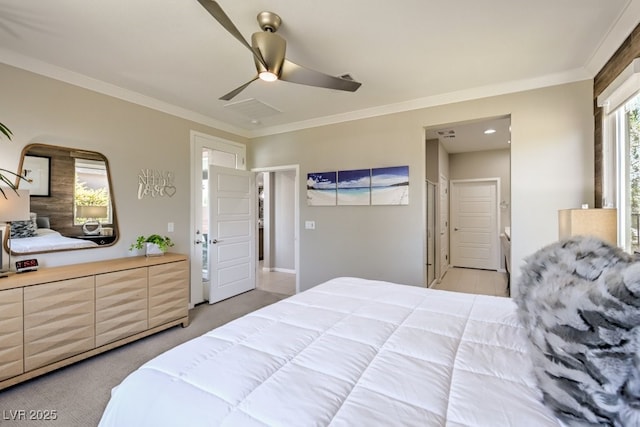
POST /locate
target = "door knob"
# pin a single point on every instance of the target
(214, 241)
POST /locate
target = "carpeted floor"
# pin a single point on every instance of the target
(78, 394)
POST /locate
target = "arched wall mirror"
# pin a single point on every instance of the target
(71, 201)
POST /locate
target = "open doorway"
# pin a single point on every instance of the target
(206, 152)
(277, 241)
(470, 153)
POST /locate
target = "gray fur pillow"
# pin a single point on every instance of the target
(579, 301)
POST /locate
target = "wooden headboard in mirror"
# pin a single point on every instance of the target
(71, 201)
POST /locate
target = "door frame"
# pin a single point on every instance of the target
(443, 219)
(196, 294)
(296, 225)
(434, 187)
(498, 219)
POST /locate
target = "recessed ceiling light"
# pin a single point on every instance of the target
(489, 131)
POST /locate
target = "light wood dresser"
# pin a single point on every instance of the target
(57, 316)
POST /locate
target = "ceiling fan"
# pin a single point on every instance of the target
(268, 50)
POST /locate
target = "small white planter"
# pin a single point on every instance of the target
(151, 249)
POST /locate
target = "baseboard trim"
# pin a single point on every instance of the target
(278, 270)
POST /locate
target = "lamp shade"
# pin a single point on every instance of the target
(91, 211)
(15, 207)
(600, 223)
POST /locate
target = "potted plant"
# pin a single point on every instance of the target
(154, 245)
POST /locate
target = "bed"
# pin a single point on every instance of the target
(46, 239)
(347, 352)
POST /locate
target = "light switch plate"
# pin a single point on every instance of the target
(310, 225)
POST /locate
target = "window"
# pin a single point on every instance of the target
(91, 189)
(621, 155)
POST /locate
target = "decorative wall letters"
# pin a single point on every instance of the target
(155, 183)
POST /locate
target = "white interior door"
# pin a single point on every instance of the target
(474, 221)
(232, 250)
(206, 150)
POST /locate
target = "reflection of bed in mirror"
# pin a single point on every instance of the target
(36, 236)
(46, 240)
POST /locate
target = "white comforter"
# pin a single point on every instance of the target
(350, 352)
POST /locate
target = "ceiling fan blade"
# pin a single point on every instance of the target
(216, 11)
(295, 73)
(236, 91)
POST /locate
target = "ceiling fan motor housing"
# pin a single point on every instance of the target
(273, 48)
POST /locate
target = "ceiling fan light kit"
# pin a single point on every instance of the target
(267, 76)
(269, 50)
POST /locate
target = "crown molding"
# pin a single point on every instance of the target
(57, 73)
(623, 26)
(432, 101)
(627, 21)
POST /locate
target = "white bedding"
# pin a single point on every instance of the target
(47, 239)
(350, 352)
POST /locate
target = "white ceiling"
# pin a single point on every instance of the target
(464, 137)
(173, 56)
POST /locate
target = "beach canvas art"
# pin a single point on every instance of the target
(390, 186)
(322, 189)
(354, 187)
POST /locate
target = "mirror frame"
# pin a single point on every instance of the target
(90, 155)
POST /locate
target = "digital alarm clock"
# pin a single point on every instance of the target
(25, 265)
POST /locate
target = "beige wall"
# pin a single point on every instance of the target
(551, 164)
(39, 109)
(283, 255)
(431, 159)
(551, 159)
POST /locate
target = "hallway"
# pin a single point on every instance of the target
(484, 282)
(276, 281)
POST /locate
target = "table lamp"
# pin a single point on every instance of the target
(601, 223)
(92, 226)
(14, 206)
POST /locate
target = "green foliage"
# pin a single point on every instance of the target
(5, 130)
(6, 181)
(633, 140)
(3, 178)
(163, 242)
(90, 197)
(633, 117)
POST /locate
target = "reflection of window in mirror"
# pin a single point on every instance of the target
(91, 189)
